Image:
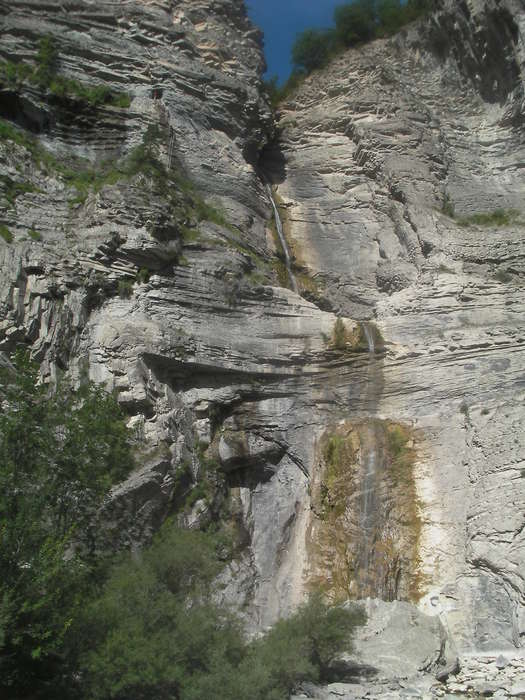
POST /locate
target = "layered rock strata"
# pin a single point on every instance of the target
(139, 252)
(401, 183)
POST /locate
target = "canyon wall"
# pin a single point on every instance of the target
(364, 434)
(393, 166)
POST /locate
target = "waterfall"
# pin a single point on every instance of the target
(369, 335)
(369, 500)
(282, 239)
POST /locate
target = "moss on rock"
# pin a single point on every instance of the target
(364, 535)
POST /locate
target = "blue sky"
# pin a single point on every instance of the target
(282, 20)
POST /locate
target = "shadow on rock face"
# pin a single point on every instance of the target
(272, 163)
(26, 113)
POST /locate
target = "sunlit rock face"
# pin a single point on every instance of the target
(364, 435)
(394, 162)
(142, 256)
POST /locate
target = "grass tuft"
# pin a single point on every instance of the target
(498, 217)
(125, 288)
(6, 234)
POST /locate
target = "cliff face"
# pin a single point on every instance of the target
(378, 455)
(395, 160)
(142, 256)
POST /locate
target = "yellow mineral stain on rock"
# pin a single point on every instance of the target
(365, 525)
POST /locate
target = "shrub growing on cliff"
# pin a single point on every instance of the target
(278, 93)
(364, 20)
(312, 49)
(45, 75)
(6, 234)
(59, 453)
(339, 338)
(355, 23)
(46, 60)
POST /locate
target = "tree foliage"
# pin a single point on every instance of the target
(355, 23)
(153, 627)
(312, 49)
(156, 634)
(59, 453)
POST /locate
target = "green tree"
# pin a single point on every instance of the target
(59, 453)
(355, 22)
(312, 49)
(417, 8)
(273, 90)
(153, 630)
(47, 60)
(154, 633)
(303, 646)
(391, 16)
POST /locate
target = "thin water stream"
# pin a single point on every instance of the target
(370, 459)
(282, 239)
(369, 335)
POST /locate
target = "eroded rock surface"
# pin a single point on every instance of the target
(390, 156)
(142, 256)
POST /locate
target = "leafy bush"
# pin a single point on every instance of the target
(300, 648)
(498, 217)
(10, 133)
(400, 453)
(153, 632)
(143, 275)
(364, 20)
(312, 49)
(355, 23)
(47, 60)
(503, 276)
(278, 94)
(12, 189)
(59, 454)
(6, 234)
(152, 629)
(339, 338)
(391, 15)
(125, 288)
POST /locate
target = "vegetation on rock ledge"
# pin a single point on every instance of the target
(496, 218)
(186, 203)
(44, 74)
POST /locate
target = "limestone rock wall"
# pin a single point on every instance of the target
(157, 273)
(139, 254)
(393, 162)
